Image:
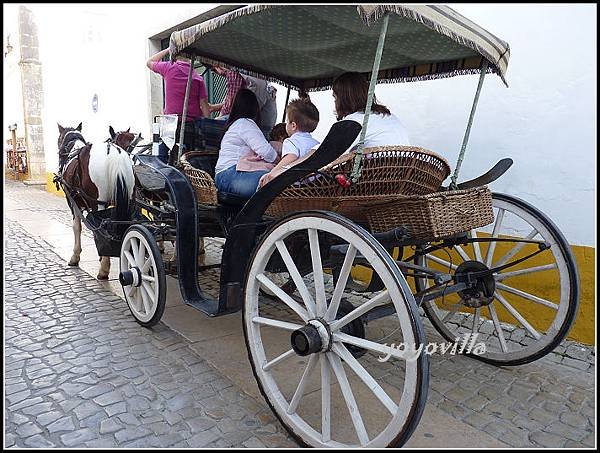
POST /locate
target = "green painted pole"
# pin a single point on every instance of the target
(359, 152)
(463, 148)
(185, 108)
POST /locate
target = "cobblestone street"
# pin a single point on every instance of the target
(80, 372)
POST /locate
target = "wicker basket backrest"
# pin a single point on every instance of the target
(203, 183)
(386, 170)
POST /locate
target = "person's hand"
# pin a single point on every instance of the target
(265, 179)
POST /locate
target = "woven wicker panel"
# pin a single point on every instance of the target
(434, 216)
(203, 184)
(386, 170)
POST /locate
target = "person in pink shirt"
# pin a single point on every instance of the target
(175, 76)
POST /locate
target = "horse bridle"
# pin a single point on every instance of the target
(129, 148)
(65, 152)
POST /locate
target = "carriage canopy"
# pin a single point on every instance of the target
(306, 46)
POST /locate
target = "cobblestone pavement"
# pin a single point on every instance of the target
(79, 372)
(70, 380)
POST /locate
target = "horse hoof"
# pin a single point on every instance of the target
(102, 277)
(74, 263)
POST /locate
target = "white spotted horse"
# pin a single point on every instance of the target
(95, 177)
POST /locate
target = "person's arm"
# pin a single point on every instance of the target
(283, 165)
(257, 142)
(205, 107)
(156, 57)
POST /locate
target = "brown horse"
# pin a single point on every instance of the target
(95, 178)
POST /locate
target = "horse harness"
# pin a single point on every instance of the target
(69, 154)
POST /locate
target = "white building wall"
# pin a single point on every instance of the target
(545, 121)
(88, 49)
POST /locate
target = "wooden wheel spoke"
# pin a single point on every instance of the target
(357, 420)
(325, 399)
(495, 232)
(341, 283)
(527, 296)
(498, 328)
(530, 270)
(380, 299)
(438, 260)
(315, 252)
(296, 277)
(284, 297)
(278, 359)
(275, 323)
(364, 376)
(516, 249)
(517, 316)
(312, 363)
(130, 259)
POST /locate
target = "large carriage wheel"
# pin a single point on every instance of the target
(323, 355)
(531, 305)
(142, 275)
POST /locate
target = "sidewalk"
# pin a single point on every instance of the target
(470, 404)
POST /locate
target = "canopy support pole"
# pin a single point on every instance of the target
(287, 99)
(185, 108)
(361, 142)
(463, 148)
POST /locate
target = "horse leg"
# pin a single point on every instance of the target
(104, 268)
(77, 246)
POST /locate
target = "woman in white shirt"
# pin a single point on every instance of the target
(242, 135)
(350, 92)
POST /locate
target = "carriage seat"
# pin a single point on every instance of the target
(148, 179)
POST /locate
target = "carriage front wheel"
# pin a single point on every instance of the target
(530, 306)
(142, 275)
(327, 359)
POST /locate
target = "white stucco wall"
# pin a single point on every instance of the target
(88, 49)
(545, 121)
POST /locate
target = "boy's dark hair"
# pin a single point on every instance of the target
(304, 114)
(278, 133)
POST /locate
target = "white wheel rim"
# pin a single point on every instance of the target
(328, 363)
(143, 299)
(501, 346)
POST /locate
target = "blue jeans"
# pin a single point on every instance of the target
(241, 183)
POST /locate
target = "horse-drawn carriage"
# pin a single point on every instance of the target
(331, 277)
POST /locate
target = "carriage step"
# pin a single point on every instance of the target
(209, 307)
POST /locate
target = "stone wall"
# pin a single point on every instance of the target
(33, 94)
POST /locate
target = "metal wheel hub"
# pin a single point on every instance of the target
(481, 290)
(131, 277)
(312, 338)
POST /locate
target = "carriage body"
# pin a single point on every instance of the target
(336, 287)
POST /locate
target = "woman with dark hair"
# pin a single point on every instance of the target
(350, 92)
(241, 136)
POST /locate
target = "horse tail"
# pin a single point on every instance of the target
(121, 199)
(122, 172)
